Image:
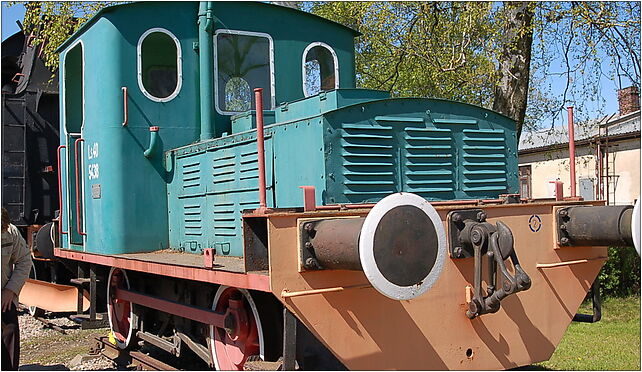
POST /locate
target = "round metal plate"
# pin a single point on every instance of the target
(635, 226)
(405, 245)
(402, 246)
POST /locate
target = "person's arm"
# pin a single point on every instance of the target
(21, 258)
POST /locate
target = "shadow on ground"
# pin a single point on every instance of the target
(40, 367)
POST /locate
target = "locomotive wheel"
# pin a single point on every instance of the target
(242, 336)
(34, 311)
(120, 312)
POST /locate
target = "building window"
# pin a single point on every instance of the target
(525, 181)
(243, 61)
(320, 69)
(159, 65)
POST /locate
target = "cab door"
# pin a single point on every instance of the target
(72, 118)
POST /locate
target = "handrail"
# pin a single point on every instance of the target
(125, 107)
(260, 146)
(78, 186)
(60, 232)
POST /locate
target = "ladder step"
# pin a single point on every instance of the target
(85, 317)
(80, 281)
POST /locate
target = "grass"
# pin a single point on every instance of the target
(610, 344)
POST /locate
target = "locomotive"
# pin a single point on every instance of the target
(230, 191)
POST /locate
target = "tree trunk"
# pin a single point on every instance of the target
(511, 92)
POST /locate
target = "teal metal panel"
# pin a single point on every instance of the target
(438, 149)
(292, 32)
(247, 120)
(213, 183)
(299, 161)
(325, 102)
(127, 187)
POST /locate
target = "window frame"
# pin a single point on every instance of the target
(525, 178)
(179, 65)
(64, 83)
(215, 77)
(334, 57)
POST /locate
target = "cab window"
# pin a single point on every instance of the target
(159, 74)
(320, 69)
(243, 62)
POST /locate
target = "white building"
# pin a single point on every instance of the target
(607, 152)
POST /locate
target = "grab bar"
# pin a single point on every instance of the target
(78, 186)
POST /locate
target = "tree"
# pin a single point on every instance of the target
(499, 56)
(511, 90)
(421, 48)
(496, 55)
(52, 23)
(579, 46)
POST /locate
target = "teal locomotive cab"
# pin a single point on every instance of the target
(158, 124)
(132, 91)
(122, 75)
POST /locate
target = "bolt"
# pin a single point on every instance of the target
(562, 227)
(308, 245)
(481, 216)
(563, 213)
(308, 226)
(311, 263)
(458, 252)
(507, 286)
(564, 240)
(476, 236)
(456, 217)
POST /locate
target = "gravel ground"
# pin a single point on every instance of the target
(43, 348)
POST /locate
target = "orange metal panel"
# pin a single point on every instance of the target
(257, 282)
(367, 330)
(52, 297)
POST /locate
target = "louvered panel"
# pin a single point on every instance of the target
(428, 160)
(191, 175)
(249, 167)
(368, 160)
(193, 219)
(484, 161)
(224, 167)
(223, 219)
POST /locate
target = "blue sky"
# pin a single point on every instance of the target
(609, 87)
(9, 17)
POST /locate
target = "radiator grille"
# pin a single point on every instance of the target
(484, 160)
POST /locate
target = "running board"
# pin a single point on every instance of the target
(57, 298)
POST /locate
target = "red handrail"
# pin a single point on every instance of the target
(60, 232)
(258, 98)
(78, 186)
(125, 107)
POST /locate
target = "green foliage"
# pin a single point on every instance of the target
(451, 50)
(426, 49)
(578, 46)
(52, 23)
(620, 275)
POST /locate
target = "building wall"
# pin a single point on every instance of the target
(550, 165)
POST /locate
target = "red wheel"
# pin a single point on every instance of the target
(242, 335)
(120, 312)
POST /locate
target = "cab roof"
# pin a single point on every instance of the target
(112, 8)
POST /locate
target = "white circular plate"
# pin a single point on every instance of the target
(635, 226)
(366, 247)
